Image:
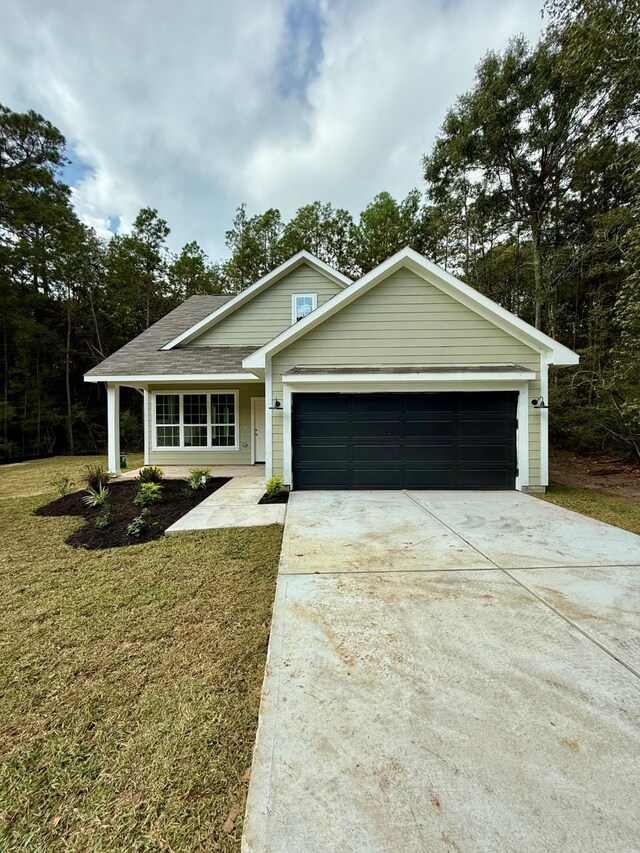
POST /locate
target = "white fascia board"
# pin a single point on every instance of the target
(179, 377)
(260, 285)
(369, 378)
(455, 288)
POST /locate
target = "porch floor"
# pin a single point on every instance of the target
(179, 472)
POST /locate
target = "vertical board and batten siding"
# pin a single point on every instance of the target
(405, 320)
(242, 456)
(269, 313)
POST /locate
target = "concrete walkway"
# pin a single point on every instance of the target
(449, 671)
(233, 505)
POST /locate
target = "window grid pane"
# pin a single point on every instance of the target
(195, 436)
(195, 408)
(168, 436)
(168, 409)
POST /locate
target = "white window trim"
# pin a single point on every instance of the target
(522, 412)
(294, 297)
(209, 448)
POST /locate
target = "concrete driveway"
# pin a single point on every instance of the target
(455, 671)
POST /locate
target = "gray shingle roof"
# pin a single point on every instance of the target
(143, 356)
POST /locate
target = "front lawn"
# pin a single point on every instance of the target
(621, 512)
(34, 478)
(129, 680)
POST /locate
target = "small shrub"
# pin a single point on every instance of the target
(149, 493)
(138, 524)
(198, 478)
(62, 484)
(274, 486)
(96, 497)
(151, 474)
(95, 477)
(105, 518)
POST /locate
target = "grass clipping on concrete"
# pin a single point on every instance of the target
(129, 685)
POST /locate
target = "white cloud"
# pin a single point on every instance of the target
(182, 106)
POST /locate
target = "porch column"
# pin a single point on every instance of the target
(145, 419)
(113, 428)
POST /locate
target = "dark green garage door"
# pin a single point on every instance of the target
(404, 441)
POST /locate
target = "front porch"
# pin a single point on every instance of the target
(179, 472)
(189, 424)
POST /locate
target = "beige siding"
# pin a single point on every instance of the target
(208, 457)
(268, 313)
(404, 320)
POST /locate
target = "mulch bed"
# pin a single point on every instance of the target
(177, 499)
(281, 498)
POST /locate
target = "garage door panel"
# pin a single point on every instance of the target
(485, 477)
(485, 453)
(431, 427)
(407, 440)
(310, 428)
(377, 404)
(322, 477)
(485, 428)
(438, 452)
(482, 401)
(377, 478)
(334, 452)
(430, 404)
(379, 452)
(374, 428)
(436, 478)
(323, 404)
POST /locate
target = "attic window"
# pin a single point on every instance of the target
(302, 304)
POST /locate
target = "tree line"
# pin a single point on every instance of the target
(531, 194)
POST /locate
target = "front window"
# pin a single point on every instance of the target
(168, 420)
(202, 420)
(195, 420)
(302, 305)
(223, 420)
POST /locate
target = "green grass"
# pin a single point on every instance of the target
(34, 478)
(129, 680)
(620, 512)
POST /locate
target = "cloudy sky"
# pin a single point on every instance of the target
(195, 106)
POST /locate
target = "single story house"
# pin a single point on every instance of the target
(405, 378)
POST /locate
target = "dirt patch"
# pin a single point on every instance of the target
(570, 744)
(281, 498)
(177, 499)
(605, 474)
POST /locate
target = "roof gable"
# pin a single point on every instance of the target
(245, 296)
(407, 258)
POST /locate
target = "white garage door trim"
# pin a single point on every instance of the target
(323, 387)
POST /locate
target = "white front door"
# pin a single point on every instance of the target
(258, 416)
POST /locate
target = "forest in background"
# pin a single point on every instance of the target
(531, 194)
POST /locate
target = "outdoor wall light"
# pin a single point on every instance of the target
(539, 403)
(276, 404)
